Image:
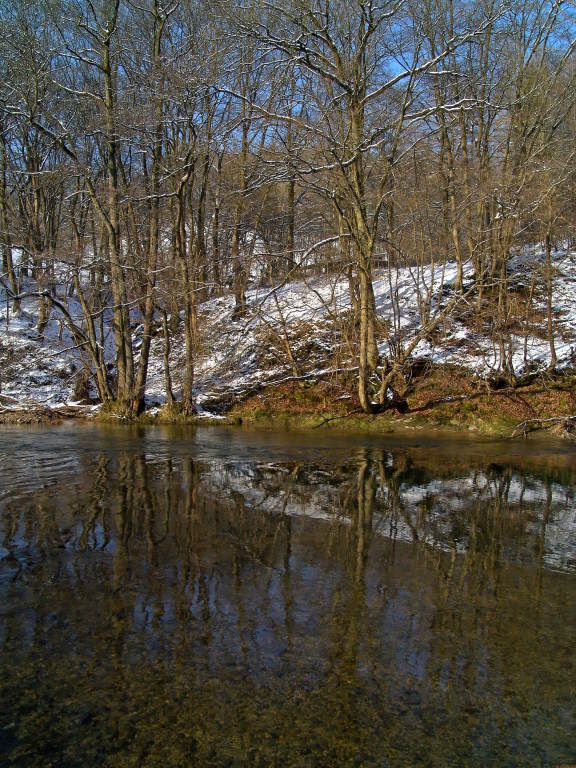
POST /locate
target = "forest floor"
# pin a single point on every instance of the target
(290, 359)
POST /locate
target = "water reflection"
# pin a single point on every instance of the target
(160, 609)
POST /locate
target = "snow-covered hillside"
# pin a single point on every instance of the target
(298, 329)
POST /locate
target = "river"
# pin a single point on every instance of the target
(227, 597)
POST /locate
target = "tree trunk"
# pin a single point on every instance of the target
(549, 302)
(167, 376)
(368, 356)
(121, 314)
(6, 240)
(154, 226)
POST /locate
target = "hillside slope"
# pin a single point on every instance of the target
(301, 330)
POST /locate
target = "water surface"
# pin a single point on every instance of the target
(221, 597)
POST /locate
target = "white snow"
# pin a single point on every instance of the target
(309, 318)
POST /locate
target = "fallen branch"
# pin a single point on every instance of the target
(531, 425)
(8, 399)
(317, 374)
(35, 407)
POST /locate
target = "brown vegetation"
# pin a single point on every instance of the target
(442, 397)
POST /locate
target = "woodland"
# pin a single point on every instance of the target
(158, 155)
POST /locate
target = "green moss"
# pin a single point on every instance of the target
(446, 421)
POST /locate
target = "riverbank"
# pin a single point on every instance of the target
(290, 362)
(296, 336)
(445, 401)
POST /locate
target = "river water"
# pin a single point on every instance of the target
(226, 597)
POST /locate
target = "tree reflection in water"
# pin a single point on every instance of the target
(381, 611)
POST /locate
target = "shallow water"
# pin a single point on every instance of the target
(222, 597)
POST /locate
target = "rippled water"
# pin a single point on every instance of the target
(221, 597)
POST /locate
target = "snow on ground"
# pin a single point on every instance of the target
(39, 368)
(307, 321)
